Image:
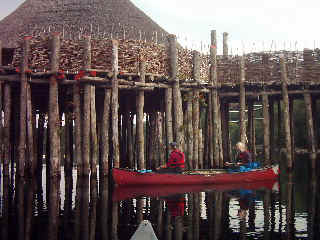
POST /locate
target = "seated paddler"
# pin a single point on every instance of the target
(243, 159)
(175, 162)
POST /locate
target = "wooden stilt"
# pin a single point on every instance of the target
(77, 128)
(23, 108)
(7, 129)
(243, 137)
(114, 105)
(86, 110)
(272, 144)
(105, 127)
(292, 128)
(310, 128)
(196, 110)
(32, 161)
(225, 132)
(215, 101)
(94, 136)
(40, 150)
(68, 146)
(251, 130)
(266, 129)
(176, 94)
(168, 111)
(286, 115)
(130, 142)
(189, 132)
(54, 121)
(140, 128)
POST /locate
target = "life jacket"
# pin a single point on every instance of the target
(176, 159)
(244, 157)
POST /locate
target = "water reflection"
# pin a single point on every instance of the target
(89, 208)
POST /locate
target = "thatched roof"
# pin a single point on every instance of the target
(99, 18)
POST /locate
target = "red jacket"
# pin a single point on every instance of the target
(176, 159)
(244, 157)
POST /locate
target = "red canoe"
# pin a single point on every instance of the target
(125, 177)
(127, 192)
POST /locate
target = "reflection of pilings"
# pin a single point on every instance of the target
(84, 209)
(53, 209)
(5, 209)
(20, 182)
(266, 211)
(29, 208)
(290, 212)
(103, 207)
(178, 228)
(313, 211)
(196, 216)
(67, 213)
(218, 208)
(115, 221)
(93, 207)
(190, 218)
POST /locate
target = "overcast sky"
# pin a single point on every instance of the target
(251, 24)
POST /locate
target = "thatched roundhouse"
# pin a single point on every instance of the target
(73, 18)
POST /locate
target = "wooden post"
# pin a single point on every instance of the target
(94, 135)
(32, 163)
(77, 128)
(251, 130)
(130, 142)
(243, 137)
(23, 108)
(286, 115)
(115, 105)
(217, 140)
(189, 132)
(86, 110)
(196, 110)
(68, 145)
(266, 129)
(292, 127)
(105, 126)
(168, 111)
(225, 132)
(139, 121)
(41, 122)
(272, 130)
(310, 128)
(54, 121)
(176, 94)
(6, 130)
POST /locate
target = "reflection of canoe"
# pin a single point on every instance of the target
(127, 192)
(132, 177)
(144, 232)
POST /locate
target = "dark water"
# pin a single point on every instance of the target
(87, 208)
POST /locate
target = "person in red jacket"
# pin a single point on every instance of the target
(243, 157)
(175, 162)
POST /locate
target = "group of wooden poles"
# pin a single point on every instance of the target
(97, 134)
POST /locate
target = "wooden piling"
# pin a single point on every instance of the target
(310, 128)
(77, 128)
(225, 133)
(189, 131)
(40, 150)
(225, 44)
(1, 107)
(94, 135)
(251, 130)
(86, 110)
(176, 94)
(115, 104)
(54, 121)
(272, 130)
(23, 108)
(105, 126)
(266, 129)
(32, 161)
(196, 110)
(168, 115)
(243, 137)
(7, 129)
(286, 115)
(68, 143)
(139, 121)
